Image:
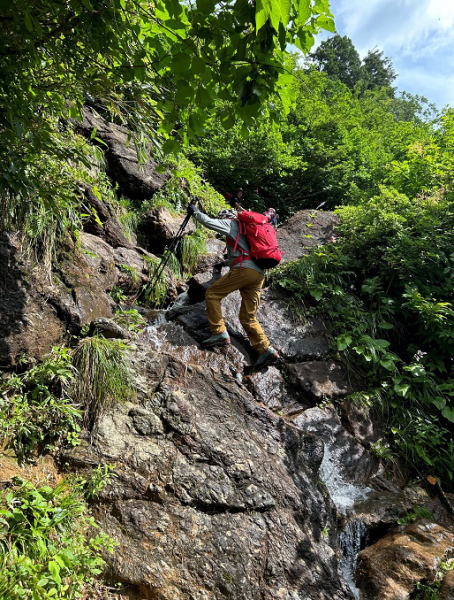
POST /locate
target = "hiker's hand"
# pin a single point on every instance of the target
(191, 209)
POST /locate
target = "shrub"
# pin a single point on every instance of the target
(36, 410)
(49, 548)
(192, 247)
(386, 290)
(104, 375)
(185, 181)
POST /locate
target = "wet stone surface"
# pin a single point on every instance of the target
(214, 496)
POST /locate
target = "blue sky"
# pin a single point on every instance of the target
(417, 35)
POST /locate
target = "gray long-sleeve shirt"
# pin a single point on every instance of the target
(228, 227)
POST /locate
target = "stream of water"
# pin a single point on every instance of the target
(344, 495)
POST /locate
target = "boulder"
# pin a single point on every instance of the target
(305, 230)
(132, 269)
(107, 328)
(295, 339)
(136, 180)
(86, 274)
(391, 568)
(200, 282)
(320, 379)
(159, 227)
(213, 256)
(357, 419)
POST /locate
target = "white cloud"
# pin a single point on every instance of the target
(418, 36)
(411, 27)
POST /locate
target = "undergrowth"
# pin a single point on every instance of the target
(192, 247)
(130, 319)
(185, 181)
(50, 548)
(37, 412)
(386, 290)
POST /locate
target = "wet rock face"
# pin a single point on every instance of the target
(86, 274)
(213, 497)
(320, 380)
(293, 339)
(390, 568)
(135, 180)
(228, 485)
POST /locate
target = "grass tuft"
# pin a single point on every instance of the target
(105, 376)
(192, 246)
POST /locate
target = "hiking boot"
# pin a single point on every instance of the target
(267, 358)
(219, 339)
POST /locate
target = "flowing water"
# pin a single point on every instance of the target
(343, 493)
(352, 539)
(154, 333)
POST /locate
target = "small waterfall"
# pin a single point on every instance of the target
(343, 494)
(154, 337)
(154, 333)
(353, 538)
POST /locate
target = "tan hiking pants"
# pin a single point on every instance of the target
(249, 282)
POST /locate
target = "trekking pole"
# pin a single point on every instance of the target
(172, 247)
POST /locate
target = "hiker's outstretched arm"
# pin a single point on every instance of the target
(219, 225)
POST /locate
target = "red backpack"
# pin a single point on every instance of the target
(261, 238)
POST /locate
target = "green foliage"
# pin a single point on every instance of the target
(333, 146)
(339, 59)
(93, 484)
(378, 71)
(104, 375)
(117, 294)
(158, 68)
(386, 288)
(192, 247)
(36, 410)
(185, 182)
(132, 273)
(417, 512)
(173, 263)
(127, 216)
(252, 158)
(49, 548)
(130, 319)
(430, 591)
(382, 450)
(155, 291)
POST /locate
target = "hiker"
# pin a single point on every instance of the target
(272, 215)
(244, 275)
(237, 199)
